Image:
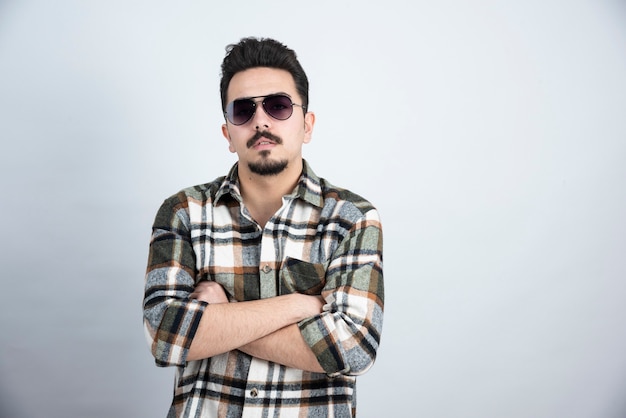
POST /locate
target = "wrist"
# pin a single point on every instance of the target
(307, 306)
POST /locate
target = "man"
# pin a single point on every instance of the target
(264, 287)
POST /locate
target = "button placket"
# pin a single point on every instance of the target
(267, 263)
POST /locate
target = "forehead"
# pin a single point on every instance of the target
(261, 81)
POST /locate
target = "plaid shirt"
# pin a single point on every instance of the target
(323, 240)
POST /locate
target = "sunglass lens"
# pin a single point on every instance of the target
(240, 111)
(279, 107)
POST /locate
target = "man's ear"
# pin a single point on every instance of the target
(309, 123)
(226, 134)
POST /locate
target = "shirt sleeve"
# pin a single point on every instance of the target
(170, 318)
(346, 336)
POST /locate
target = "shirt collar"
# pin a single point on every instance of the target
(308, 188)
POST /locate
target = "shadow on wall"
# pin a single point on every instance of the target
(7, 408)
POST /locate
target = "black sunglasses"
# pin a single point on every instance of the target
(278, 106)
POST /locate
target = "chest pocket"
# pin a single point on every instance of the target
(297, 276)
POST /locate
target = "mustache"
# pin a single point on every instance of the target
(263, 134)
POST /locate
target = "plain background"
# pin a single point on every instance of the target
(491, 135)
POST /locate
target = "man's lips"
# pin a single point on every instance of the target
(263, 139)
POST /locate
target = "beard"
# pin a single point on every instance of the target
(267, 167)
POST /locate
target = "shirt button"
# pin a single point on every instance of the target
(266, 268)
(254, 392)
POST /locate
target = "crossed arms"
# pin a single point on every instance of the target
(263, 328)
(336, 332)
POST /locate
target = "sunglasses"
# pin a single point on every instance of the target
(278, 106)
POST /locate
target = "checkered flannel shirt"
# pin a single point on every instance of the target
(323, 240)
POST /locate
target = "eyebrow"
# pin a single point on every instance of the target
(263, 96)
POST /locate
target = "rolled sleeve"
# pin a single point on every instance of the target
(346, 336)
(170, 318)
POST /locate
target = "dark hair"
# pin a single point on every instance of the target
(262, 52)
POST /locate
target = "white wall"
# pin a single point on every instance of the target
(490, 134)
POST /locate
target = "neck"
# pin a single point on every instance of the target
(263, 195)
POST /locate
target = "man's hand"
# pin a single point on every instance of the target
(210, 292)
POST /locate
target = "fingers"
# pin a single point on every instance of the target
(210, 292)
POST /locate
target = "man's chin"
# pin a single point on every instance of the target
(268, 167)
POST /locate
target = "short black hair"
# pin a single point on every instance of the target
(262, 52)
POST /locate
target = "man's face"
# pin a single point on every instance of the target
(282, 147)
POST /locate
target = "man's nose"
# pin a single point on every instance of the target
(261, 119)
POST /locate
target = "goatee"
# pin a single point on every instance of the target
(267, 167)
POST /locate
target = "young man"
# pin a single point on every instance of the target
(265, 287)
